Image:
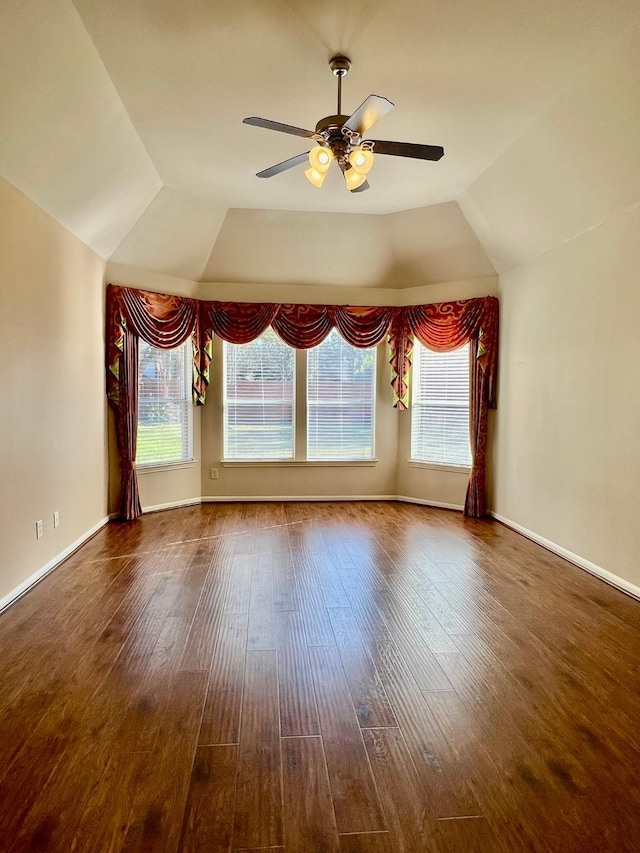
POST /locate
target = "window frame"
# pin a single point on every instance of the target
(300, 419)
(187, 401)
(308, 407)
(454, 467)
(257, 460)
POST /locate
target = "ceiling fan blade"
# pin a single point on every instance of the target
(368, 113)
(408, 149)
(282, 167)
(281, 128)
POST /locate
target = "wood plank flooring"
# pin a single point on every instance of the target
(319, 678)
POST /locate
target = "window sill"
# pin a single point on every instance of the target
(302, 463)
(436, 466)
(168, 466)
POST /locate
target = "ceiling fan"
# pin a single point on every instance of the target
(339, 138)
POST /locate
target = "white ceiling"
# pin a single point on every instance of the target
(124, 120)
(575, 169)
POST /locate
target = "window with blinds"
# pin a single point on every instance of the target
(440, 406)
(165, 412)
(340, 400)
(259, 394)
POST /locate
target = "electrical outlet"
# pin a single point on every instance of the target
(214, 473)
(39, 529)
(56, 519)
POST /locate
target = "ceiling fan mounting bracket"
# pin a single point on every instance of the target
(340, 65)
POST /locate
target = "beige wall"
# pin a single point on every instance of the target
(431, 484)
(559, 215)
(53, 424)
(568, 423)
(339, 295)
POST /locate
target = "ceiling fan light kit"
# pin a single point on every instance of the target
(353, 180)
(315, 177)
(361, 160)
(340, 138)
(320, 158)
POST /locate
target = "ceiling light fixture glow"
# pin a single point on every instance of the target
(361, 160)
(315, 177)
(354, 180)
(320, 158)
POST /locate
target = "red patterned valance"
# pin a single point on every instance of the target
(167, 321)
(299, 326)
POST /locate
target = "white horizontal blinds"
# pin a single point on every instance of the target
(259, 386)
(165, 412)
(440, 406)
(340, 400)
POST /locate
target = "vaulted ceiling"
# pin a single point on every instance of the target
(124, 121)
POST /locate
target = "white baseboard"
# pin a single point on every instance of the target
(207, 499)
(576, 559)
(33, 579)
(211, 499)
(423, 502)
(171, 505)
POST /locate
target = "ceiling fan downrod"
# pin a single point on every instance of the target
(340, 66)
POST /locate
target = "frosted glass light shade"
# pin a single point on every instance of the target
(320, 158)
(315, 177)
(353, 180)
(361, 160)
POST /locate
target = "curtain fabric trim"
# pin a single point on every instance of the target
(166, 321)
(127, 427)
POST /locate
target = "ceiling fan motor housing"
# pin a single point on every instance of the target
(329, 129)
(342, 141)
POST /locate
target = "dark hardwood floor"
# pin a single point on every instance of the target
(319, 678)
